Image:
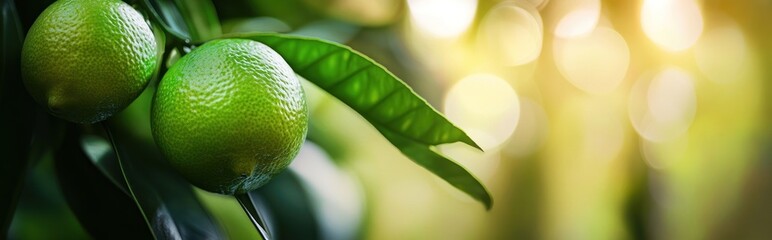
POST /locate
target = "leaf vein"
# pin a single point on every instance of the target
(400, 116)
(428, 130)
(393, 91)
(347, 77)
(320, 59)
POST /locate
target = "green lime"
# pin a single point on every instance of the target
(86, 60)
(230, 115)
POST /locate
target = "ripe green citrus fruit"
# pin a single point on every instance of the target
(230, 115)
(86, 60)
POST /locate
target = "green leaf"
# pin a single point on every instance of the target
(289, 206)
(189, 20)
(91, 195)
(170, 207)
(100, 152)
(403, 117)
(47, 136)
(167, 14)
(441, 166)
(18, 117)
(42, 203)
(367, 87)
(201, 19)
(255, 216)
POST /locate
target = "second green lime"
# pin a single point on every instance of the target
(230, 115)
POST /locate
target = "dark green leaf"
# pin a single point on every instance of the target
(168, 15)
(201, 19)
(99, 151)
(168, 202)
(91, 195)
(381, 98)
(440, 165)
(47, 136)
(288, 207)
(42, 203)
(190, 20)
(249, 205)
(18, 116)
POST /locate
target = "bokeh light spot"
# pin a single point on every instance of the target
(442, 18)
(674, 25)
(671, 96)
(580, 18)
(538, 4)
(664, 106)
(512, 33)
(595, 63)
(484, 103)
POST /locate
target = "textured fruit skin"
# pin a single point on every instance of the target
(230, 115)
(86, 60)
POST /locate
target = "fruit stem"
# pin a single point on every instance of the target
(247, 203)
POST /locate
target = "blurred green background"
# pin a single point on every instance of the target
(608, 119)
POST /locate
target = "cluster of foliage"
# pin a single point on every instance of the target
(113, 168)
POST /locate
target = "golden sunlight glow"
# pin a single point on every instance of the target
(672, 24)
(663, 155)
(531, 132)
(442, 18)
(482, 164)
(664, 107)
(512, 33)
(721, 54)
(580, 18)
(671, 96)
(604, 133)
(484, 105)
(368, 13)
(595, 63)
(587, 142)
(538, 4)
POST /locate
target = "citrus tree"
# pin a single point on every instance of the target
(140, 101)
